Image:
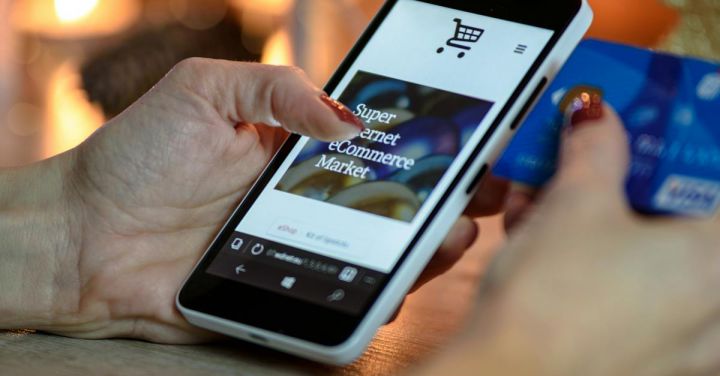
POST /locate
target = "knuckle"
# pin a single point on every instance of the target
(272, 77)
(189, 69)
(288, 73)
(296, 71)
(191, 64)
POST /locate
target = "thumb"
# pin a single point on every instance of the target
(595, 152)
(264, 94)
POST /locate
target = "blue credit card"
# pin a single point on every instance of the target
(670, 106)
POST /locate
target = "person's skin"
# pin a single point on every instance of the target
(587, 287)
(95, 243)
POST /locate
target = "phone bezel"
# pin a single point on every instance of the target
(299, 319)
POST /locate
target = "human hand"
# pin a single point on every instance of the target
(153, 186)
(588, 287)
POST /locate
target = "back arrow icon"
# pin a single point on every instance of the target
(240, 269)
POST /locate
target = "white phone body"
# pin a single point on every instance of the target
(408, 271)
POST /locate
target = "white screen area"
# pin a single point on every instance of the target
(406, 49)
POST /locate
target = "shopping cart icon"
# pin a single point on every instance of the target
(463, 35)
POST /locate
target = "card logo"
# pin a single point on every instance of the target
(709, 88)
(690, 196)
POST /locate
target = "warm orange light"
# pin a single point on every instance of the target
(71, 118)
(267, 7)
(278, 50)
(74, 10)
(638, 22)
(261, 18)
(74, 19)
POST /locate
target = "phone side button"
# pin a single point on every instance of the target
(526, 108)
(476, 179)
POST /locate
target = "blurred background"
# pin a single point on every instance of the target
(66, 66)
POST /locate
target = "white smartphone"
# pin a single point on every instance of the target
(326, 245)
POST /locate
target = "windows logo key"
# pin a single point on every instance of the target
(464, 36)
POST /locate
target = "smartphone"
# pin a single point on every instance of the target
(325, 246)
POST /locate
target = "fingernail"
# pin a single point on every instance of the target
(342, 112)
(274, 122)
(582, 104)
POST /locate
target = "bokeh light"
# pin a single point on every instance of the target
(74, 19)
(74, 10)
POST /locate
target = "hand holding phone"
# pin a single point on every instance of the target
(333, 235)
(132, 207)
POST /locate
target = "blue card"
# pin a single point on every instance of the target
(670, 106)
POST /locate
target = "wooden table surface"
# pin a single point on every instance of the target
(428, 320)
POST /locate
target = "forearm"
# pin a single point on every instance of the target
(35, 243)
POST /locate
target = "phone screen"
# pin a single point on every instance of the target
(336, 218)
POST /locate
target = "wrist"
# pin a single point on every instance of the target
(38, 251)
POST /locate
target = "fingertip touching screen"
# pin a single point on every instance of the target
(336, 217)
